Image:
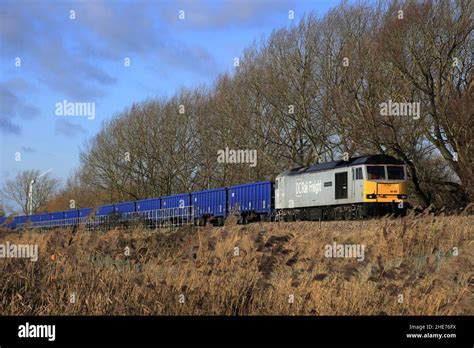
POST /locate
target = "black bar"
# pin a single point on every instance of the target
(242, 330)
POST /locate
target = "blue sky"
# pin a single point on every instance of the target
(82, 60)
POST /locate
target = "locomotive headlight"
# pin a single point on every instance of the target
(371, 196)
(402, 196)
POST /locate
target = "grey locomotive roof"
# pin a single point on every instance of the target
(354, 161)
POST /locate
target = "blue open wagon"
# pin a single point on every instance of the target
(176, 208)
(104, 210)
(20, 221)
(86, 216)
(148, 204)
(72, 217)
(40, 220)
(210, 204)
(84, 213)
(148, 210)
(251, 200)
(126, 210)
(57, 219)
(125, 207)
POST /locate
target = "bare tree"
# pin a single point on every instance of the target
(431, 50)
(17, 189)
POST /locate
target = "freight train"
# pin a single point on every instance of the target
(357, 188)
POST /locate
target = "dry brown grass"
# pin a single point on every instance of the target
(410, 256)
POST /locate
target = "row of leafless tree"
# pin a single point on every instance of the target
(307, 94)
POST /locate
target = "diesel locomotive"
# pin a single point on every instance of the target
(360, 187)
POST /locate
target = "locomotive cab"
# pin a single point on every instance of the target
(385, 183)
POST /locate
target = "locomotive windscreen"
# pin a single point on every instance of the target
(376, 172)
(395, 172)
